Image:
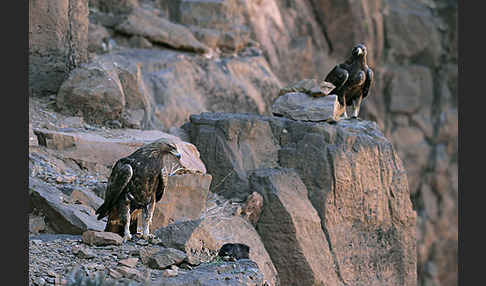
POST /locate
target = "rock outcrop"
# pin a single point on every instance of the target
(201, 239)
(348, 179)
(412, 48)
(303, 107)
(58, 34)
(183, 200)
(62, 216)
(159, 89)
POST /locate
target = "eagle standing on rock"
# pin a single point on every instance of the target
(137, 182)
(352, 80)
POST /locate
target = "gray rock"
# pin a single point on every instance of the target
(300, 106)
(244, 272)
(83, 252)
(32, 137)
(165, 258)
(62, 217)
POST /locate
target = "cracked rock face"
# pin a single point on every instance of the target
(339, 187)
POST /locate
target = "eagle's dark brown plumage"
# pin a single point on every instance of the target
(352, 79)
(137, 182)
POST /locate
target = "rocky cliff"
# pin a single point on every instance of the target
(336, 208)
(150, 64)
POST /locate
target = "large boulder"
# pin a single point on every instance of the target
(201, 239)
(156, 89)
(145, 23)
(60, 214)
(290, 229)
(339, 164)
(58, 42)
(107, 148)
(109, 88)
(184, 199)
(300, 106)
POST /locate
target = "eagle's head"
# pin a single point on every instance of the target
(359, 51)
(172, 149)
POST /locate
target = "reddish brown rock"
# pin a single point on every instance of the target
(366, 219)
(184, 199)
(101, 238)
(129, 262)
(159, 30)
(58, 42)
(252, 208)
(290, 229)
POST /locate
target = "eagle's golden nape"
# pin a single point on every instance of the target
(136, 183)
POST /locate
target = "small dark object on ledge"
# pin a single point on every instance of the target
(234, 251)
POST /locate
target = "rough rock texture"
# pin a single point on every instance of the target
(184, 199)
(252, 208)
(54, 259)
(297, 39)
(201, 239)
(106, 148)
(61, 216)
(240, 273)
(303, 107)
(351, 175)
(58, 34)
(160, 89)
(144, 23)
(290, 229)
(165, 258)
(101, 238)
(220, 24)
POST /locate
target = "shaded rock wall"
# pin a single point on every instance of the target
(58, 34)
(346, 178)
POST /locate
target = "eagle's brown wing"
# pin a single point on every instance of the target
(119, 178)
(162, 184)
(368, 82)
(337, 76)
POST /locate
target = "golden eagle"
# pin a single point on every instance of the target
(136, 182)
(352, 79)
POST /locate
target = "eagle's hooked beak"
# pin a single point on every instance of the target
(177, 154)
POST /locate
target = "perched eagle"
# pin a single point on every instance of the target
(137, 182)
(352, 79)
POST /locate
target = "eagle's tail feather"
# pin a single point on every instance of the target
(101, 211)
